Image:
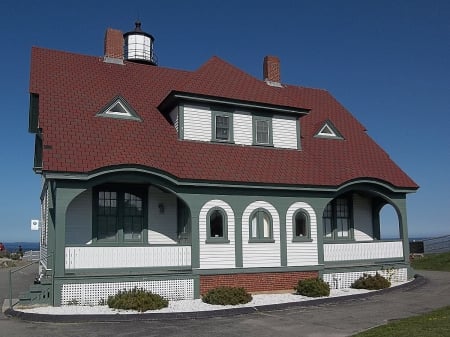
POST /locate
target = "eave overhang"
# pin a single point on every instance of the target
(176, 97)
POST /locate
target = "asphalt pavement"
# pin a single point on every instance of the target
(332, 318)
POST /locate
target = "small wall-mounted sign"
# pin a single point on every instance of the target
(34, 225)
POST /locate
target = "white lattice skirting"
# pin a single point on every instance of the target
(93, 293)
(345, 280)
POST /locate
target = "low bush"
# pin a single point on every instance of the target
(227, 296)
(371, 282)
(314, 287)
(137, 299)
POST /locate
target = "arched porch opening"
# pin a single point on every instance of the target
(389, 223)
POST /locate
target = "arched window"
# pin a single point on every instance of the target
(301, 226)
(261, 226)
(217, 226)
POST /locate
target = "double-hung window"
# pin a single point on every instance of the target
(222, 126)
(262, 131)
(119, 214)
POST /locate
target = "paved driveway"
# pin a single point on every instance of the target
(341, 318)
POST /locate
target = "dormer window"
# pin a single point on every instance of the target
(222, 126)
(262, 131)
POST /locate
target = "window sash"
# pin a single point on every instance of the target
(222, 128)
(262, 132)
(120, 216)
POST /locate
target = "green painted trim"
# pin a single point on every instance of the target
(181, 122)
(64, 197)
(307, 237)
(255, 120)
(196, 286)
(195, 248)
(256, 270)
(215, 113)
(176, 96)
(33, 113)
(224, 238)
(38, 153)
(120, 190)
(363, 184)
(283, 234)
(260, 226)
(299, 134)
(239, 258)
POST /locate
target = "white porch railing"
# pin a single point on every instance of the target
(127, 257)
(334, 252)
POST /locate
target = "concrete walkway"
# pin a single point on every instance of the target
(333, 318)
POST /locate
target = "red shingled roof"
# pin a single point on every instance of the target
(73, 88)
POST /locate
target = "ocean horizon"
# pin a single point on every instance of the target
(14, 246)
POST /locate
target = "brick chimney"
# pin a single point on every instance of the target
(113, 46)
(271, 70)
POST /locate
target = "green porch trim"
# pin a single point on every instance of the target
(64, 197)
(229, 271)
(284, 189)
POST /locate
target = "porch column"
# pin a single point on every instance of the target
(403, 230)
(63, 197)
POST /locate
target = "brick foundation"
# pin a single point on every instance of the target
(256, 282)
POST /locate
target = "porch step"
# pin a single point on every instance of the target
(37, 294)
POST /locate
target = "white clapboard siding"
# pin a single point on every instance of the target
(258, 254)
(216, 255)
(363, 251)
(301, 253)
(284, 132)
(79, 219)
(242, 129)
(197, 123)
(362, 215)
(127, 257)
(162, 226)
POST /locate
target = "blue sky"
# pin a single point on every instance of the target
(388, 62)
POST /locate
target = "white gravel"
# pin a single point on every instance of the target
(187, 305)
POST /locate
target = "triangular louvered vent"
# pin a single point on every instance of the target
(119, 108)
(328, 130)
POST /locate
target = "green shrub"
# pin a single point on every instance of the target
(227, 296)
(137, 299)
(371, 282)
(313, 287)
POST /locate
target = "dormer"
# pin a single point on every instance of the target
(227, 121)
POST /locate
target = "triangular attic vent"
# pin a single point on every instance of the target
(328, 130)
(119, 108)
